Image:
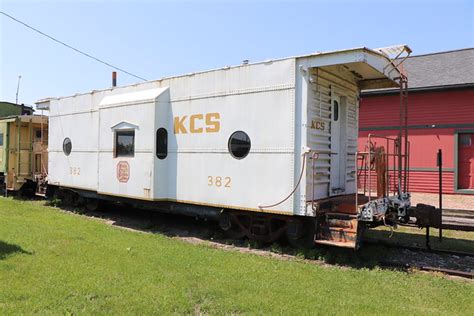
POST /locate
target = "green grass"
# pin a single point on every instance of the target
(61, 263)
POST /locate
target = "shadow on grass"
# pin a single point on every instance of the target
(185, 227)
(7, 249)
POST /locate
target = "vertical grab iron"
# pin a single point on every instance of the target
(403, 136)
(440, 192)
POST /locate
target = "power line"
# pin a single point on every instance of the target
(69, 46)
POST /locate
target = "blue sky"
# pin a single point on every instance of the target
(154, 39)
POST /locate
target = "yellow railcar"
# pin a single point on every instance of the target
(24, 153)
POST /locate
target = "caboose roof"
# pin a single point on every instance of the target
(372, 67)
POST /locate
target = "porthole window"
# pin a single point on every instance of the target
(67, 146)
(161, 143)
(239, 144)
(336, 111)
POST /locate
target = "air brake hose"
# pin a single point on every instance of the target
(294, 190)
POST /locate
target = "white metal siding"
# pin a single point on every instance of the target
(273, 102)
(257, 99)
(77, 119)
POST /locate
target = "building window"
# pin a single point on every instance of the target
(336, 111)
(1, 139)
(239, 145)
(161, 143)
(465, 140)
(67, 146)
(124, 143)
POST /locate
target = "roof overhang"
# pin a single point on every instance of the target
(371, 69)
(8, 119)
(25, 119)
(43, 104)
(135, 97)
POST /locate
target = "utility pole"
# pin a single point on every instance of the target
(18, 89)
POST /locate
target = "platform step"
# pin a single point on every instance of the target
(351, 245)
(337, 230)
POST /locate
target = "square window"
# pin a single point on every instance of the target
(124, 143)
(465, 140)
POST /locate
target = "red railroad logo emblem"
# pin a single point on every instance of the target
(123, 171)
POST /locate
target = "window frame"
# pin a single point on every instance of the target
(456, 161)
(462, 137)
(67, 153)
(229, 145)
(123, 132)
(38, 138)
(335, 104)
(162, 154)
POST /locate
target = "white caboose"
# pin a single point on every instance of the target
(274, 137)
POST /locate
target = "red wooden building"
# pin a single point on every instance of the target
(440, 116)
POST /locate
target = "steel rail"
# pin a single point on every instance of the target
(417, 248)
(458, 273)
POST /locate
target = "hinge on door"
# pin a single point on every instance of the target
(303, 204)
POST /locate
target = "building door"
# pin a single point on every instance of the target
(466, 161)
(3, 146)
(338, 147)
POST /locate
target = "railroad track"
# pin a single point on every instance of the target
(451, 272)
(417, 248)
(406, 266)
(458, 213)
(454, 219)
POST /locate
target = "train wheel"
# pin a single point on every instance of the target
(27, 190)
(235, 232)
(304, 238)
(92, 204)
(67, 197)
(361, 227)
(230, 227)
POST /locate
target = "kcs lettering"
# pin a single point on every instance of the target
(197, 123)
